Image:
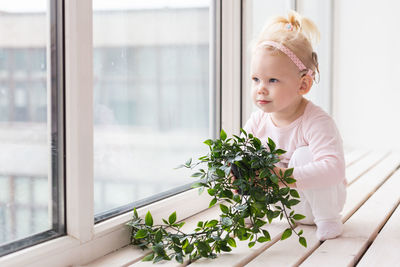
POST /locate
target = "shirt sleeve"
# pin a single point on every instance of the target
(326, 146)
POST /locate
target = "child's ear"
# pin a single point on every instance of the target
(305, 85)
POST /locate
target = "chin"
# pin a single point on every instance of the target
(267, 110)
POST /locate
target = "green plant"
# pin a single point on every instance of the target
(266, 196)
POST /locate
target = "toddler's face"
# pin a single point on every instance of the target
(276, 82)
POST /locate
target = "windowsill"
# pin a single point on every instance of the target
(107, 236)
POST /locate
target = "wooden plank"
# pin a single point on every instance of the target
(360, 229)
(357, 194)
(384, 249)
(353, 156)
(356, 170)
(363, 188)
(118, 258)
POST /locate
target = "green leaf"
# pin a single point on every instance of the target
(224, 208)
(189, 249)
(257, 143)
(200, 224)
(196, 174)
(300, 232)
(203, 248)
(303, 241)
(225, 248)
(227, 193)
(271, 144)
(264, 173)
(290, 180)
(294, 193)
(141, 234)
(280, 151)
(195, 185)
(172, 218)
(220, 173)
(287, 233)
(262, 239)
(159, 249)
(158, 259)
(148, 219)
(211, 191)
(208, 142)
(266, 235)
(181, 166)
(180, 224)
(258, 223)
(288, 172)
(185, 243)
(212, 202)
(232, 242)
(251, 244)
(158, 236)
(201, 190)
(149, 257)
(243, 132)
(188, 162)
(298, 217)
(176, 240)
(211, 223)
(226, 221)
(274, 179)
(293, 202)
(223, 135)
(135, 214)
(270, 215)
(179, 258)
(284, 191)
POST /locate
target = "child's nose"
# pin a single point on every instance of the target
(262, 89)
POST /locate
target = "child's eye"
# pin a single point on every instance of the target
(255, 79)
(273, 80)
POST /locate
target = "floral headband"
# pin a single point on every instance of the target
(290, 54)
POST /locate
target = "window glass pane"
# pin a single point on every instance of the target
(151, 96)
(25, 195)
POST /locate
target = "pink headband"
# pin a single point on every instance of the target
(290, 54)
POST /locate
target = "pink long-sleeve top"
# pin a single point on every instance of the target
(315, 129)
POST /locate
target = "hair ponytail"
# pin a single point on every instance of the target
(295, 32)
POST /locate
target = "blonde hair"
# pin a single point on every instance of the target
(296, 33)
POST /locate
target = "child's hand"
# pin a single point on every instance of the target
(233, 178)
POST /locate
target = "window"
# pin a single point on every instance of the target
(31, 113)
(109, 92)
(151, 99)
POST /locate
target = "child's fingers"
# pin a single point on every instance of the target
(233, 178)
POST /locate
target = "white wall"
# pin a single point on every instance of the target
(366, 90)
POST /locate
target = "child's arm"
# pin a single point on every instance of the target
(325, 144)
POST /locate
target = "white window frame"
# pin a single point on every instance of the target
(86, 241)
